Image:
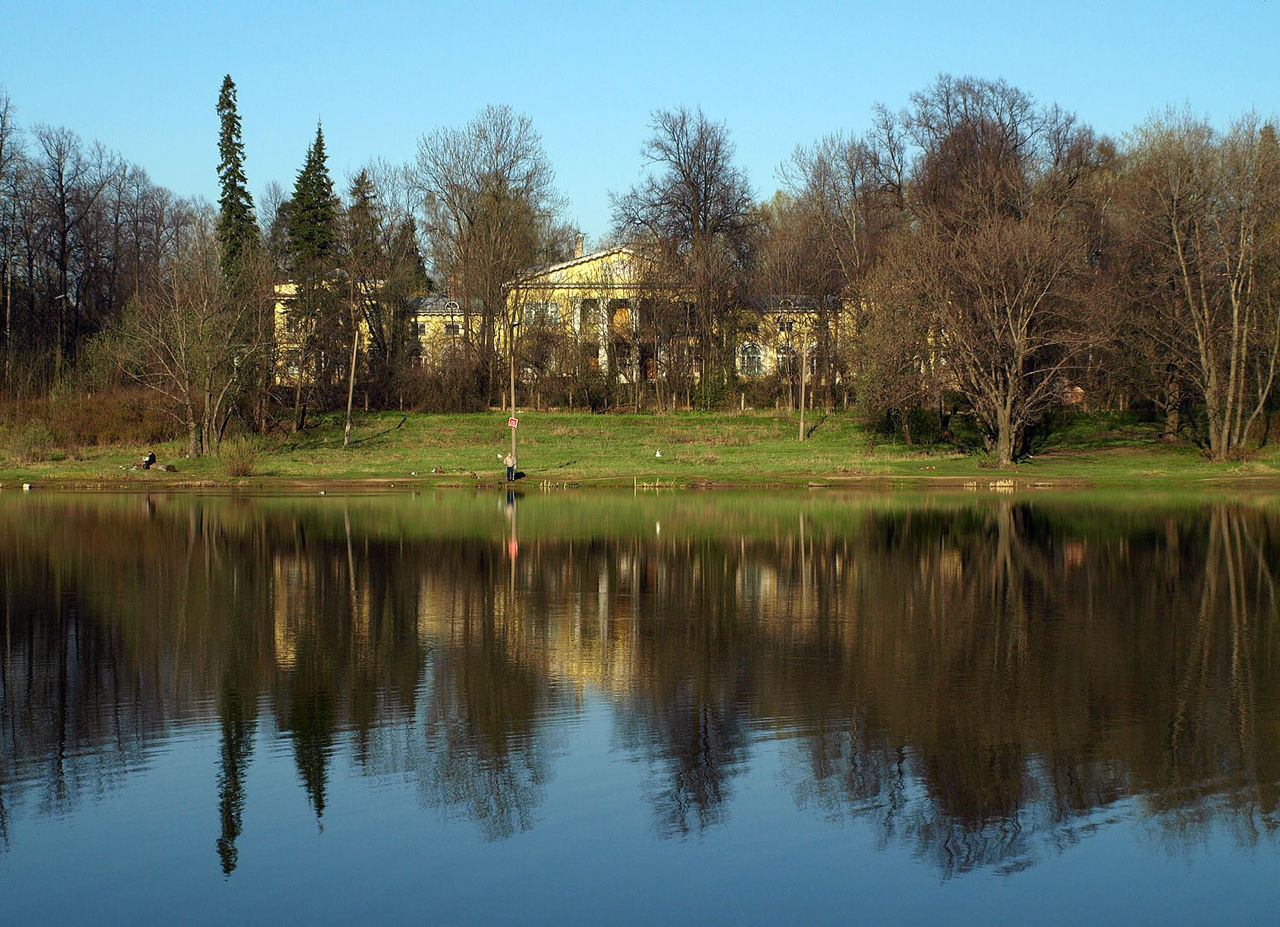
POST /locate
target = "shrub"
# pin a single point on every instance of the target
(116, 417)
(239, 457)
(31, 443)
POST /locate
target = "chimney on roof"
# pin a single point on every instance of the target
(579, 245)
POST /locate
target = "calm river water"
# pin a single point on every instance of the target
(603, 708)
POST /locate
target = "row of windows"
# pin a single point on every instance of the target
(751, 359)
(545, 313)
(451, 329)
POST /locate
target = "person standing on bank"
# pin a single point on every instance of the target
(510, 461)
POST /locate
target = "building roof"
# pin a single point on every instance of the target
(562, 274)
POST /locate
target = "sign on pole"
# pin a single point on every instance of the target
(512, 423)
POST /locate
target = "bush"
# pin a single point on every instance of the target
(31, 443)
(117, 417)
(239, 457)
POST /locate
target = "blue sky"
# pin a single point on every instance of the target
(143, 78)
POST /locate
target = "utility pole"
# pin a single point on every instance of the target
(804, 350)
(355, 347)
(511, 339)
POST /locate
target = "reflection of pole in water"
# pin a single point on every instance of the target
(513, 543)
(804, 572)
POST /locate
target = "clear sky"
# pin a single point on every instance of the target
(143, 78)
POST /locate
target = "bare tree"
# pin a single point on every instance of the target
(11, 158)
(852, 192)
(193, 335)
(693, 216)
(1000, 247)
(488, 206)
(68, 181)
(1205, 208)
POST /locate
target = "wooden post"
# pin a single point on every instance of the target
(804, 349)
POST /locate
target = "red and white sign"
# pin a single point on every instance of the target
(512, 423)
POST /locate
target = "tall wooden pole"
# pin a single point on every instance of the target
(804, 350)
(351, 378)
(511, 338)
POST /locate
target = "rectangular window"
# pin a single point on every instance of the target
(542, 313)
(452, 329)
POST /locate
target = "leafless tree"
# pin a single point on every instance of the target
(1205, 210)
(488, 208)
(192, 335)
(11, 159)
(1000, 245)
(68, 181)
(693, 216)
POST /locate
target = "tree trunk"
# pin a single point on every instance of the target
(299, 411)
(1004, 439)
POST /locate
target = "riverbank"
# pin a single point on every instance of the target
(680, 450)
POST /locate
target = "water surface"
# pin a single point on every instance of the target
(723, 708)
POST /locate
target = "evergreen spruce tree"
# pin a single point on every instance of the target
(312, 242)
(313, 216)
(237, 229)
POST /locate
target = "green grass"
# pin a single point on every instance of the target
(580, 449)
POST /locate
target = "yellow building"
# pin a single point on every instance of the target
(292, 344)
(436, 325)
(598, 299)
(593, 309)
(441, 328)
(288, 337)
(783, 330)
(590, 300)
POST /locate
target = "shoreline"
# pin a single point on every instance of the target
(1013, 483)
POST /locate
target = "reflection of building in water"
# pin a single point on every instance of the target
(952, 675)
(290, 579)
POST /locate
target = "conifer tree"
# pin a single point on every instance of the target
(313, 215)
(312, 233)
(237, 229)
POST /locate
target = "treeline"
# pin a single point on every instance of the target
(975, 252)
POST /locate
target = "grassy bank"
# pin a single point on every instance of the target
(686, 449)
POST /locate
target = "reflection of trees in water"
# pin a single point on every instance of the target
(691, 655)
(65, 684)
(975, 681)
(695, 746)
(235, 752)
(123, 628)
(483, 753)
(1027, 674)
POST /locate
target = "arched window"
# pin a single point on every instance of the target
(752, 361)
